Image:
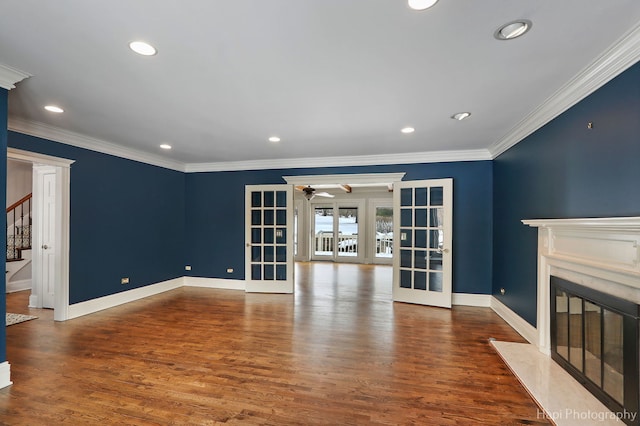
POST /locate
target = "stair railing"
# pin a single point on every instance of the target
(18, 227)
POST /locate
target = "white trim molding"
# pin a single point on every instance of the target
(94, 305)
(5, 375)
(57, 134)
(19, 285)
(516, 322)
(9, 77)
(218, 283)
(110, 301)
(34, 157)
(469, 299)
(351, 179)
(360, 160)
(619, 57)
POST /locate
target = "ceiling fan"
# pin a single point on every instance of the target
(310, 192)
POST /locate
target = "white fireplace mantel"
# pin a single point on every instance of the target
(600, 253)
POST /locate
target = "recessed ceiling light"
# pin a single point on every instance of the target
(461, 116)
(142, 48)
(53, 108)
(274, 139)
(421, 4)
(513, 29)
(408, 130)
(165, 146)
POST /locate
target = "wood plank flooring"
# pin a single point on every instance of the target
(339, 352)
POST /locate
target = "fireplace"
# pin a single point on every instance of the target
(594, 336)
(588, 304)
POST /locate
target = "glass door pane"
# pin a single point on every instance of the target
(613, 380)
(323, 228)
(295, 230)
(347, 231)
(384, 232)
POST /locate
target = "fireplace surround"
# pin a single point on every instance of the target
(599, 256)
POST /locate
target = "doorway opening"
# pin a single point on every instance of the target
(50, 230)
(344, 218)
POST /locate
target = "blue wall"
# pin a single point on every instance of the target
(215, 212)
(3, 199)
(565, 170)
(127, 220)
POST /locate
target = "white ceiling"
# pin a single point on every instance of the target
(331, 78)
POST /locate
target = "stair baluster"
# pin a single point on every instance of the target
(18, 233)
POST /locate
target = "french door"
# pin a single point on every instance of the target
(269, 239)
(422, 258)
(337, 234)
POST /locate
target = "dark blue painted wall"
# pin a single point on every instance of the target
(3, 199)
(215, 213)
(127, 220)
(565, 170)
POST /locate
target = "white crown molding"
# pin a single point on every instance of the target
(360, 160)
(10, 76)
(351, 179)
(619, 57)
(56, 134)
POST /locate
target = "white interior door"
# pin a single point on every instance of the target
(422, 258)
(269, 239)
(44, 261)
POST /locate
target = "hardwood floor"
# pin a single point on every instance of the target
(339, 352)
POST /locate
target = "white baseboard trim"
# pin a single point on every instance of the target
(33, 301)
(94, 305)
(5, 375)
(469, 299)
(214, 283)
(525, 329)
(19, 285)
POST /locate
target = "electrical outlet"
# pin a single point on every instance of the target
(124, 280)
(187, 268)
(229, 270)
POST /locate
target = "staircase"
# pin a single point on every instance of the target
(18, 228)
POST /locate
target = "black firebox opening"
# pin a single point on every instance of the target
(594, 336)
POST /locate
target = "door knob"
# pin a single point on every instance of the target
(45, 246)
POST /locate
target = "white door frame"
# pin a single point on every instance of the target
(62, 168)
